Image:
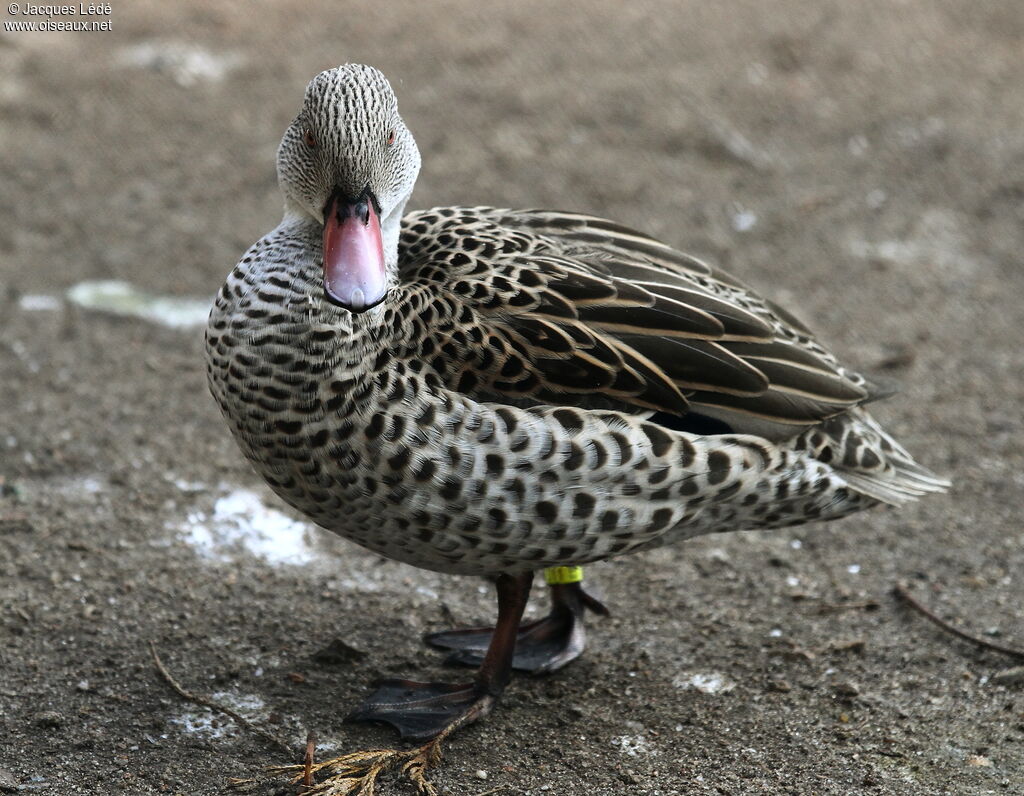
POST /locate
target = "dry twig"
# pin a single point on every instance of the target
(202, 701)
(307, 777)
(903, 593)
(864, 605)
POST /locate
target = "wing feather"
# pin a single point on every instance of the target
(577, 309)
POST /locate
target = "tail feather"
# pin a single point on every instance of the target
(898, 487)
(869, 460)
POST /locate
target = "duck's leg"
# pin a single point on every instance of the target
(542, 646)
(427, 710)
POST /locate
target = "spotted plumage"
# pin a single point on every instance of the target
(537, 388)
(493, 392)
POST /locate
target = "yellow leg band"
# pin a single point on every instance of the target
(556, 576)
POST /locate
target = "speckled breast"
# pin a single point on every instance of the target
(367, 441)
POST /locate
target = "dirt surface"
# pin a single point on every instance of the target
(861, 162)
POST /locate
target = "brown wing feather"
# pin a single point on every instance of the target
(575, 309)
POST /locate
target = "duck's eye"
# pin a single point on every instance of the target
(391, 138)
(307, 137)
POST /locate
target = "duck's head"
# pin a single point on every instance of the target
(349, 162)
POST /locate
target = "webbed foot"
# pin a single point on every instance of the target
(542, 646)
(424, 710)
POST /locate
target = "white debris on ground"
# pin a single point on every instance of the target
(123, 298)
(78, 486)
(187, 64)
(209, 724)
(875, 198)
(858, 145)
(188, 486)
(240, 519)
(224, 522)
(634, 746)
(705, 682)
(39, 303)
(743, 220)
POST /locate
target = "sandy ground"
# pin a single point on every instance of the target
(861, 162)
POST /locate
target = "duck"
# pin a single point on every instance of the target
(499, 393)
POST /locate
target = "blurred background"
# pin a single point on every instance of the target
(862, 163)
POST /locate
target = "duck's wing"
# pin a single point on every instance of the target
(566, 309)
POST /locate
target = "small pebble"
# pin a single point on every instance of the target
(480, 774)
(338, 652)
(779, 685)
(48, 718)
(846, 689)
